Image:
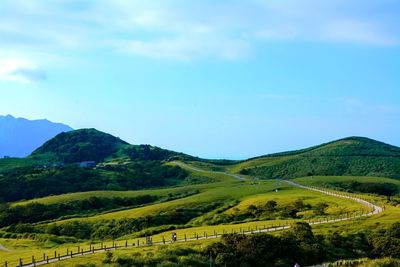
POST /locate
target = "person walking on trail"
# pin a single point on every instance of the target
(174, 237)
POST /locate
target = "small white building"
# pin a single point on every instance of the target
(87, 164)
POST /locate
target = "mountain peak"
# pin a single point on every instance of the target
(19, 136)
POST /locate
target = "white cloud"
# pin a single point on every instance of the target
(356, 31)
(187, 30)
(20, 70)
(187, 49)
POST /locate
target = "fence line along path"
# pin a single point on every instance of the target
(374, 209)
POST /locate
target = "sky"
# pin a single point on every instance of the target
(215, 79)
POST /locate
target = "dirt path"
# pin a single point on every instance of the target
(3, 248)
(375, 209)
(186, 166)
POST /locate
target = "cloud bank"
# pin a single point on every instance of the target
(187, 30)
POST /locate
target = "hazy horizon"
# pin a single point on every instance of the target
(233, 79)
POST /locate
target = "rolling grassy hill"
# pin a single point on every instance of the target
(54, 169)
(354, 156)
(137, 190)
(80, 145)
(93, 145)
(227, 204)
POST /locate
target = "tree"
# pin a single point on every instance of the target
(271, 205)
(320, 208)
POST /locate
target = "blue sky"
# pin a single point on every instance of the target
(230, 79)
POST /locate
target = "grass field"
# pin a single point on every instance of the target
(320, 180)
(226, 189)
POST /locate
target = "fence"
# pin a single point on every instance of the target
(69, 253)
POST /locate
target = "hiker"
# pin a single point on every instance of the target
(174, 237)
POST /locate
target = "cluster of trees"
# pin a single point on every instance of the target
(111, 229)
(385, 189)
(301, 246)
(298, 245)
(38, 212)
(147, 152)
(271, 210)
(165, 256)
(29, 183)
(330, 166)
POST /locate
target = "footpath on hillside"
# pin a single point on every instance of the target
(374, 209)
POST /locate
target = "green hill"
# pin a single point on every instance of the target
(93, 145)
(357, 156)
(80, 145)
(52, 168)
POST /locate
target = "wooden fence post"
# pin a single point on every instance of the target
(20, 262)
(47, 259)
(5, 264)
(185, 238)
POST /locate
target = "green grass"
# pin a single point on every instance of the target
(350, 156)
(106, 194)
(12, 163)
(320, 180)
(219, 179)
(225, 189)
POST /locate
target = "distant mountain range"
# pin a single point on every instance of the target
(19, 137)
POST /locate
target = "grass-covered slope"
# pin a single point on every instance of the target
(80, 145)
(52, 168)
(356, 156)
(93, 145)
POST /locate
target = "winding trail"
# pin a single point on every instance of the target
(375, 209)
(186, 166)
(3, 248)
